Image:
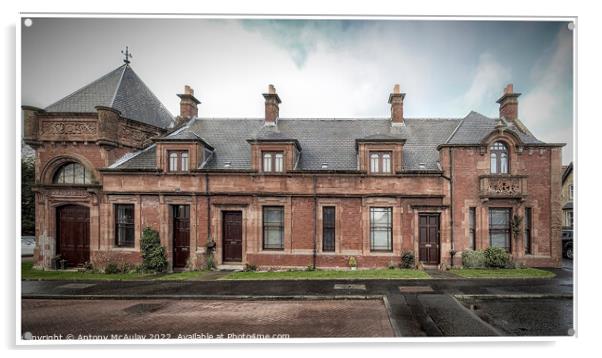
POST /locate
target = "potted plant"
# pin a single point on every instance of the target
(210, 245)
(352, 262)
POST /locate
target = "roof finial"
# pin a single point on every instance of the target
(127, 55)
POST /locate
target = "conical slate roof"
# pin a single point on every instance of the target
(122, 90)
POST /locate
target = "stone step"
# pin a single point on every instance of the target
(230, 267)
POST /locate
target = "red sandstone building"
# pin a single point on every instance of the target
(285, 192)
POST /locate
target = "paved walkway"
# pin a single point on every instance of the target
(442, 275)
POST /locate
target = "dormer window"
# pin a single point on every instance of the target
(499, 158)
(380, 162)
(273, 162)
(178, 160)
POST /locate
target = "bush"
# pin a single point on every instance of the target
(473, 259)
(112, 268)
(210, 261)
(250, 268)
(496, 257)
(408, 260)
(352, 261)
(153, 254)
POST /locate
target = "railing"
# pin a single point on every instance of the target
(503, 186)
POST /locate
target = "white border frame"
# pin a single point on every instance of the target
(107, 15)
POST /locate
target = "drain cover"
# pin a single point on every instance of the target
(415, 289)
(340, 286)
(77, 285)
(141, 308)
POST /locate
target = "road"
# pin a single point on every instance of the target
(412, 308)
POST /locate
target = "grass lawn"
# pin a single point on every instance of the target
(28, 273)
(383, 274)
(502, 273)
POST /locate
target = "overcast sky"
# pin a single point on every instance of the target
(321, 68)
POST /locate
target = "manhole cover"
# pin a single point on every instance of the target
(77, 285)
(415, 289)
(341, 286)
(142, 308)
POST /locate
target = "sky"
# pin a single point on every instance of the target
(320, 68)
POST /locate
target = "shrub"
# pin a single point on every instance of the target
(210, 261)
(112, 268)
(408, 260)
(310, 268)
(250, 268)
(496, 257)
(153, 254)
(352, 262)
(473, 259)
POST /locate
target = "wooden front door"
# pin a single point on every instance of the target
(429, 239)
(73, 234)
(181, 235)
(232, 236)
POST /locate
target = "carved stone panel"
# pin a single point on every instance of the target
(503, 186)
(53, 128)
(132, 136)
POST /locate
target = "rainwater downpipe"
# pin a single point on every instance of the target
(315, 220)
(209, 240)
(451, 206)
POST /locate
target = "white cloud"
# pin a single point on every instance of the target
(547, 108)
(487, 84)
(548, 98)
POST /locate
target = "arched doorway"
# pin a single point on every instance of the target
(73, 234)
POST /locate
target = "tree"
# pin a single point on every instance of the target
(28, 209)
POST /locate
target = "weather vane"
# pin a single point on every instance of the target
(127, 55)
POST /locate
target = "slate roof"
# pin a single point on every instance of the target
(330, 141)
(122, 90)
(475, 126)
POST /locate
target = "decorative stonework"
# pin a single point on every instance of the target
(503, 186)
(68, 128)
(68, 193)
(132, 134)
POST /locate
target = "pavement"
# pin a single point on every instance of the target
(206, 318)
(415, 308)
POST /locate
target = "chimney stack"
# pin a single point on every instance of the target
(396, 101)
(509, 104)
(188, 105)
(272, 110)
